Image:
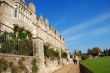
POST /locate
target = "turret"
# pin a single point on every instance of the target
(32, 7)
(46, 22)
(19, 0)
(23, 1)
(15, 0)
(41, 18)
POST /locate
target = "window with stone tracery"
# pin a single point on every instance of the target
(15, 12)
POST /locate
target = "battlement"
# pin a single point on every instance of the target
(19, 13)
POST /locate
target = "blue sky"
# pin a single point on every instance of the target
(83, 23)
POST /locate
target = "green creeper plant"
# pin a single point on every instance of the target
(34, 66)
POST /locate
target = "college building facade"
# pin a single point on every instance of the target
(15, 17)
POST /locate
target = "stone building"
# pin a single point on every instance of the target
(16, 12)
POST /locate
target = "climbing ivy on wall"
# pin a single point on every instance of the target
(63, 54)
(14, 68)
(17, 42)
(34, 66)
(50, 52)
(18, 68)
(3, 65)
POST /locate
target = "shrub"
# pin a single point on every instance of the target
(63, 54)
(14, 68)
(18, 68)
(21, 66)
(84, 56)
(3, 65)
(17, 42)
(50, 52)
(34, 66)
(56, 54)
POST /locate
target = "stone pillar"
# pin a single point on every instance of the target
(39, 53)
(60, 54)
(68, 56)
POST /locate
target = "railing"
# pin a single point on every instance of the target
(15, 45)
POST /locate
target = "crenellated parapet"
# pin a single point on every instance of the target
(17, 13)
(49, 33)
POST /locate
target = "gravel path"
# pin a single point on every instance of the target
(71, 68)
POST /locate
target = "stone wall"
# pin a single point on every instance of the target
(6, 11)
(9, 58)
(52, 66)
(41, 33)
(49, 67)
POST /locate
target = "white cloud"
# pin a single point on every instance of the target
(75, 37)
(87, 24)
(97, 32)
(100, 31)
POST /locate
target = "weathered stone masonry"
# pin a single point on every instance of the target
(16, 12)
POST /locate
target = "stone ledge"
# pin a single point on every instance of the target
(13, 55)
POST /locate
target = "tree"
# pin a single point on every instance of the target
(109, 52)
(106, 52)
(89, 52)
(84, 56)
(95, 51)
(76, 52)
(80, 52)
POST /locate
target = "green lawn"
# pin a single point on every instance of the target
(99, 65)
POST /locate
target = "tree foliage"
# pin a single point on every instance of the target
(17, 42)
(63, 54)
(106, 52)
(94, 51)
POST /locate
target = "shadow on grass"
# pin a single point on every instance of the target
(83, 69)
